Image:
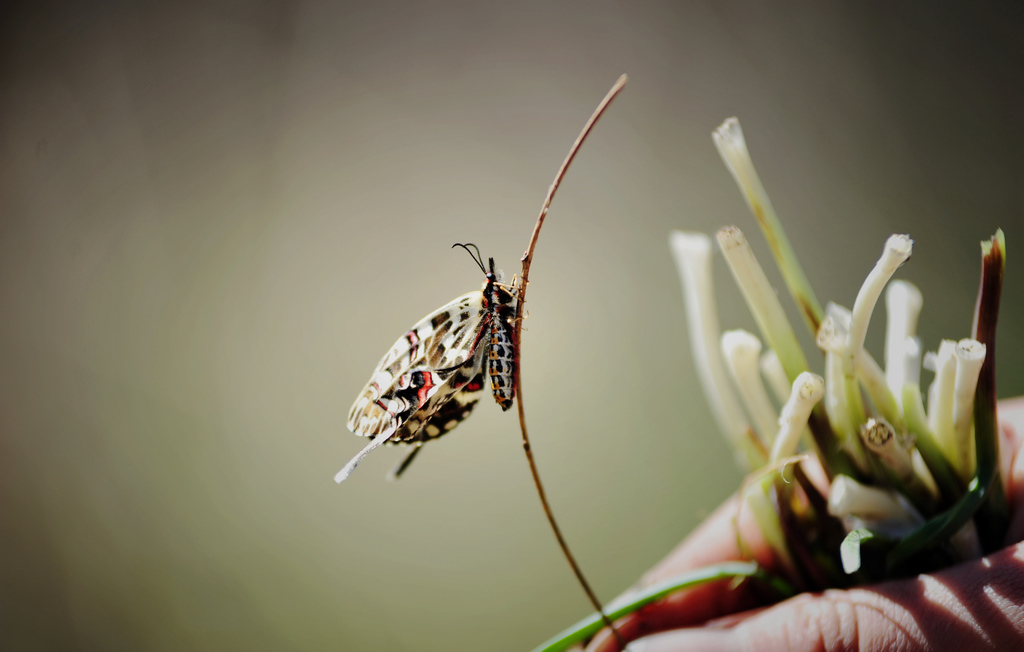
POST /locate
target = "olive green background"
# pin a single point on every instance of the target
(215, 217)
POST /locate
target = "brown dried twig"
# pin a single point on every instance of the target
(524, 278)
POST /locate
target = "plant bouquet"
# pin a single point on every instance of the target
(857, 475)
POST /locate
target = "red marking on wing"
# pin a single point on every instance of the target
(422, 393)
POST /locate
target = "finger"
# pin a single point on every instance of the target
(973, 606)
(714, 541)
(1011, 421)
(683, 609)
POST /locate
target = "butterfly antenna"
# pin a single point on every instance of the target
(478, 259)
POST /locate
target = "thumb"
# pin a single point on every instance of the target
(972, 606)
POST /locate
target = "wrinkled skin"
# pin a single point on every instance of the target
(977, 605)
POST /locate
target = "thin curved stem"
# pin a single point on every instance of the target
(517, 325)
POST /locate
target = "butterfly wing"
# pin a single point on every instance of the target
(452, 407)
(423, 370)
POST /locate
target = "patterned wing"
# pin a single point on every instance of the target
(438, 344)
(424, 426)
(422, 363)
(455, 402)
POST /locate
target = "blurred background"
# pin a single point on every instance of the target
(215, 218)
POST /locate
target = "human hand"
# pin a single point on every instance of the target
(976, 605)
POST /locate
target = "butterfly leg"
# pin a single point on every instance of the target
(404, 464)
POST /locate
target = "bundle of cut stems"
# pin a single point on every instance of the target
(859, 475)
(917, 480)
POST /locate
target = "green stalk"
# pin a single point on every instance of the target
(854, 402)
(590, 625)
(762, 301)
(836, 406)
(895, 458)
(776, 330)
(943, 526)
(872, 378)
(733, 148)
(917, 424)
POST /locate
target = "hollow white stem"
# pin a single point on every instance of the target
(761, 300)
(872, 378)
(922, 471)
(903, 303)
(808, 389)
(970, 355)
(926, 443)
(830, 337)
(940, 398)
(880, 438)
(833, 337)
(741, 350)
(841, 314)
(835, 397)
(897, 251)
(845, 394)
(838, 410)
(692, 254)
(879, 509)
(911, 363)
(847, 497)
(775, 376)
(733, 148)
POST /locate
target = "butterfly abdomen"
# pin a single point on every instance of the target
(501, 358)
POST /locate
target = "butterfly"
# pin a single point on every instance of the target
(433, 376)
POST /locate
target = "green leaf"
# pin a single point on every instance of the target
(849, 550)
(590, 625)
